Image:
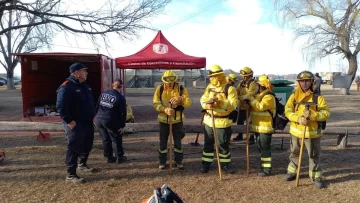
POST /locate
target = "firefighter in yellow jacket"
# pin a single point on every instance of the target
(246, 87)
(215, 99)
(231, 79)
(263, 108)
(170, 92)
(313, 119)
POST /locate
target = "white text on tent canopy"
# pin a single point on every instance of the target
(161, 63)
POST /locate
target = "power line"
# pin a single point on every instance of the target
(195, 13)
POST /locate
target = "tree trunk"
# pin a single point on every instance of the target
(10, 79)
(352, 71)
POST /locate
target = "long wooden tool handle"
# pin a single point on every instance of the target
(247, 143)
(216, 144)
(170, 142)
(300, 157)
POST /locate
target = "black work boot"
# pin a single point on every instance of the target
(228, 169)
(85, 168)
(263, 173)
(239, 137)
(290, 176)
(205, 168)
(318, 183)
(121, 159)
(111, 159)
(251, 139)
(162, 166)
(72, 177)
(179, 166)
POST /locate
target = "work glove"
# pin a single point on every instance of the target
(169, 111)
(247, 99)
(307, 113)
(302, 120)
(176, 100)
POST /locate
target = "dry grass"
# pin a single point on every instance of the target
(35, 172)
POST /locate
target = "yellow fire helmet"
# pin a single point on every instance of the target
(246, 71)
(232, 77)
(169, 77)
(215, 70)
(264, 81)
(305, 75)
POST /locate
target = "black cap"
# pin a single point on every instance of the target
(76, 66)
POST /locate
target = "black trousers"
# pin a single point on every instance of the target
(241, 117)
(178, 134)
(109, 134)
(80, 141)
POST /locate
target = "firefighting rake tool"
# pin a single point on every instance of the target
(247, 143)
(170, 142)
(216, 143)
(307, 106)
(196, 143)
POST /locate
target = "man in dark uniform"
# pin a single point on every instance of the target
(110, 120)
(76, 108)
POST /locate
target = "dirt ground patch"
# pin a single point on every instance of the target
(35, 171)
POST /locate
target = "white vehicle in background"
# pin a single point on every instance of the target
(328, 77)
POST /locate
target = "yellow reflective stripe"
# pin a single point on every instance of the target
(289, 109)
(207, 159)
(295, 131)
(315, 174)
(262, 128)
(225, 160)
(165, 118)
(163, 151)
(322, 115)
(208, 154)
(291, 169)
(178, 150)
(291, 114)
(265, 158)
(224, 155)
(266, 165)
(260, 113)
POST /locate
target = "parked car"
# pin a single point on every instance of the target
(3, 81)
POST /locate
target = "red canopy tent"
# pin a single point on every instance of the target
(160, 53)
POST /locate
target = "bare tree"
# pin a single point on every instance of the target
(330, 27)
(27, 25)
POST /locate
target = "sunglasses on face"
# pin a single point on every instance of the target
(244, 73)
(209, 72)
(170, 79)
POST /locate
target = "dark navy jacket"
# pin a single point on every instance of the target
(111, 106)
(75, 101)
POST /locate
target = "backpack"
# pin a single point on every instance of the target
(234, 114)
(279, 120)
(321, 124)
(181, 91)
